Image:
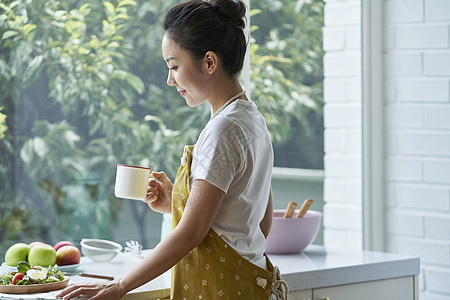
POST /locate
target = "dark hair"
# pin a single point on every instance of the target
(215, 25)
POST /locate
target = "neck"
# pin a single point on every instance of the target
(225, 93)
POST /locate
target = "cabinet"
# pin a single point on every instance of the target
(402, 288)
(300, 295)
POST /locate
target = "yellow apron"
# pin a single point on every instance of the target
(214, 270)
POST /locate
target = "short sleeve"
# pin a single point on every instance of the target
(218, 154)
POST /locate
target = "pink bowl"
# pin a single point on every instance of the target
(292, 235)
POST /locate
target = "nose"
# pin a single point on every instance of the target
(170, 79)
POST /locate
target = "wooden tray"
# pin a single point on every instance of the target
(35, 288)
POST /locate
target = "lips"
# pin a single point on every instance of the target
(182, 92)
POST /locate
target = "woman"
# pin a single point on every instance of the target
(221, 200)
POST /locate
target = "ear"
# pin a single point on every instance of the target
(210, 62)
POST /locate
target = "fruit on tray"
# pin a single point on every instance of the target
(68, 255)
(37, 253)
(42, 255)
(16, 253)
(61, 244)
(35, 243)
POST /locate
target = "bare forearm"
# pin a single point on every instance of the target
(197, 219)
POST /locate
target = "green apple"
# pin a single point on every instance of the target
(42, 255)
(16, 253)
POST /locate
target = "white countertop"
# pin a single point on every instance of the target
(314, 267)
(319, 267)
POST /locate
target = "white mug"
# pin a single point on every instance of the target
(131, 182)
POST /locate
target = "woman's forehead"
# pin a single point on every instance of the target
(170, 49)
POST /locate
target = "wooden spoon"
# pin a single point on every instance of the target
(305, 206)
(290, 209)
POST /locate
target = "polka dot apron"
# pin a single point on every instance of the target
(214, 270)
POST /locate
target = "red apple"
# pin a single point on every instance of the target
(35, 243)
(68, 255)
(62, 243)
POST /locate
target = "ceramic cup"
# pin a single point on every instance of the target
(131, 182)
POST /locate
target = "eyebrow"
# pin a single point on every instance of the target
(170, 58)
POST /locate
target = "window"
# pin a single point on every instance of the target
(83, 89)
(287, 84)
(287, 78)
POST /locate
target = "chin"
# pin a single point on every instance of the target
(193, 103)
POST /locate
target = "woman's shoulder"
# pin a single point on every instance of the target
(240, 111)
(245, 114)
(240, 119)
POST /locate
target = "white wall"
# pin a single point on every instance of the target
(342, 119)
(416, 136)
(417, 114)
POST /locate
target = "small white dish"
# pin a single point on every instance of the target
(100, 250)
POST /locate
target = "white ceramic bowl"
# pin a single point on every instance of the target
(100, 250)
(292, 235)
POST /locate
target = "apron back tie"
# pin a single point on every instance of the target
(279, 287)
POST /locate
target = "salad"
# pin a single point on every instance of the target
(27, 274)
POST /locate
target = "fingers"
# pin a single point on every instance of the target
(150, 199)
(156, 184)
(66, 291)
(77, 290)
(161, 176)
(158, 175)
(153, 190)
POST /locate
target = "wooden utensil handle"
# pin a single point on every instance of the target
(96, 276)
(305, 206)
(290, 209)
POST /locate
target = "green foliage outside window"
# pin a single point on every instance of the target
(287, 77)
(3, 126)
(84, 86)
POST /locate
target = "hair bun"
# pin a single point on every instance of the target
(233, 10)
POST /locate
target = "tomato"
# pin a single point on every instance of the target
(17, 277)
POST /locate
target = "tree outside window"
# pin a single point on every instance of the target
(83, 84)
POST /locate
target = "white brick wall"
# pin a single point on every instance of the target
(342, 13)
(421, 197)
(342, 119)
(437, 10)
(417, 133)
(437, 117)
(403, 11)
(438, 280)
(421, 36)
(436, 63)
(417, 122)
(408, 64)
(422, 89)
(423, 143)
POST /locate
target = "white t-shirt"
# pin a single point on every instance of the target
(234, 153)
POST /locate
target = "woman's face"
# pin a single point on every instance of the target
(183, 73)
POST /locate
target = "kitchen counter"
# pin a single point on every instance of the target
(318, 267)
(313, 268)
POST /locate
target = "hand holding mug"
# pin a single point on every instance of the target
(159, 193)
